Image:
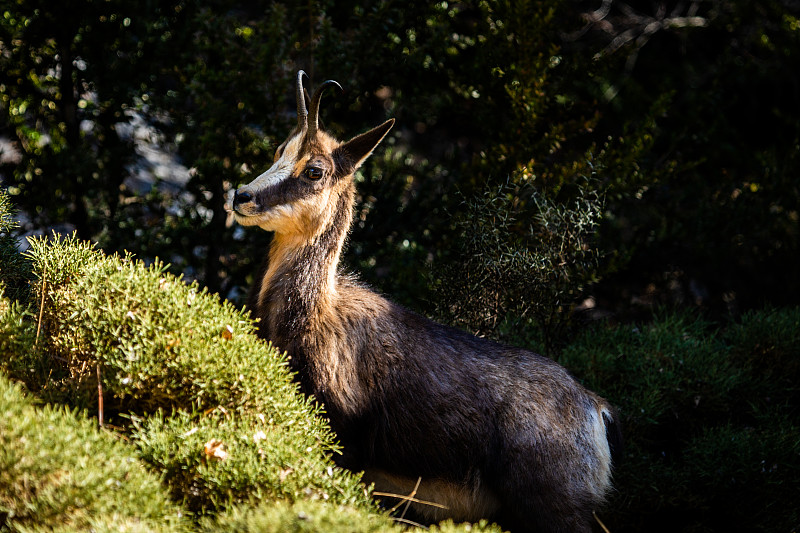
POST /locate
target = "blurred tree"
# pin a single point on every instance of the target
(223, 89)
(711, 203)
(65, 83)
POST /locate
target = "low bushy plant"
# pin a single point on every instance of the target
(195, 394)
(672, 374)
(710, 420)
(162, 343)
(59, 473)
(214, 459)
(768, 344)
(14, 270)
(307, 517)
(524, 260)
(300, 517)
(162, 346)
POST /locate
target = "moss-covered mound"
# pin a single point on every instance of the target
(214, 407)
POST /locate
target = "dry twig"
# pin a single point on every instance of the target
(99, 396)
(602, 525)
(408, 499)
(41, 307)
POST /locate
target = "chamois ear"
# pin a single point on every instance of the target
(350, 155)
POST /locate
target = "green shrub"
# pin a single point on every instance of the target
(300, 517)
(58, 472)
(162, 345)
(17, 339)
(768, 344)
(750, 470)
(525, 261)
(14, 269)
(306, 517)
(670, 376)
(17, 331)
(709, 418)
(213, 459)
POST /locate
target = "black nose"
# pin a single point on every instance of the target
(241, 197)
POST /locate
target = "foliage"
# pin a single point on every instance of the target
(253, 457)
(710, 415)
(312, 516)
(718, 202)
(711, 421)
(223, 103)
(767, 343)
(157, 344)
(14, 270)
(668, 371)
(59, 473)
(19, 337)
(532, 279)
(696, 152)
(303, 517)
(66, 86)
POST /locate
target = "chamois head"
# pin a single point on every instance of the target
(311, 170)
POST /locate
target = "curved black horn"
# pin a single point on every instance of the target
(302, 113)
(314, 110)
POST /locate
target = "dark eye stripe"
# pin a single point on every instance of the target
(287, 191)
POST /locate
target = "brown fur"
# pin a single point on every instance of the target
(492, 431)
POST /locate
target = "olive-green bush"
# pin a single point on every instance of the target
(188, 364)
(710, 419)
(59, 473)
(526, 259)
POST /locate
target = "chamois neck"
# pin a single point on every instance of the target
(301, 279)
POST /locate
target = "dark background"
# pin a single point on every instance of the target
(683, 114)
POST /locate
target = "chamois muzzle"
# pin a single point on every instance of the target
(241, 197)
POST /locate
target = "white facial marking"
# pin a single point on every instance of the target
(280, 171)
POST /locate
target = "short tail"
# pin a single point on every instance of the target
(613, 435)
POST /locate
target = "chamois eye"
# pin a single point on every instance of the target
(313, 173)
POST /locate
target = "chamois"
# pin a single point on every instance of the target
(491, 431)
